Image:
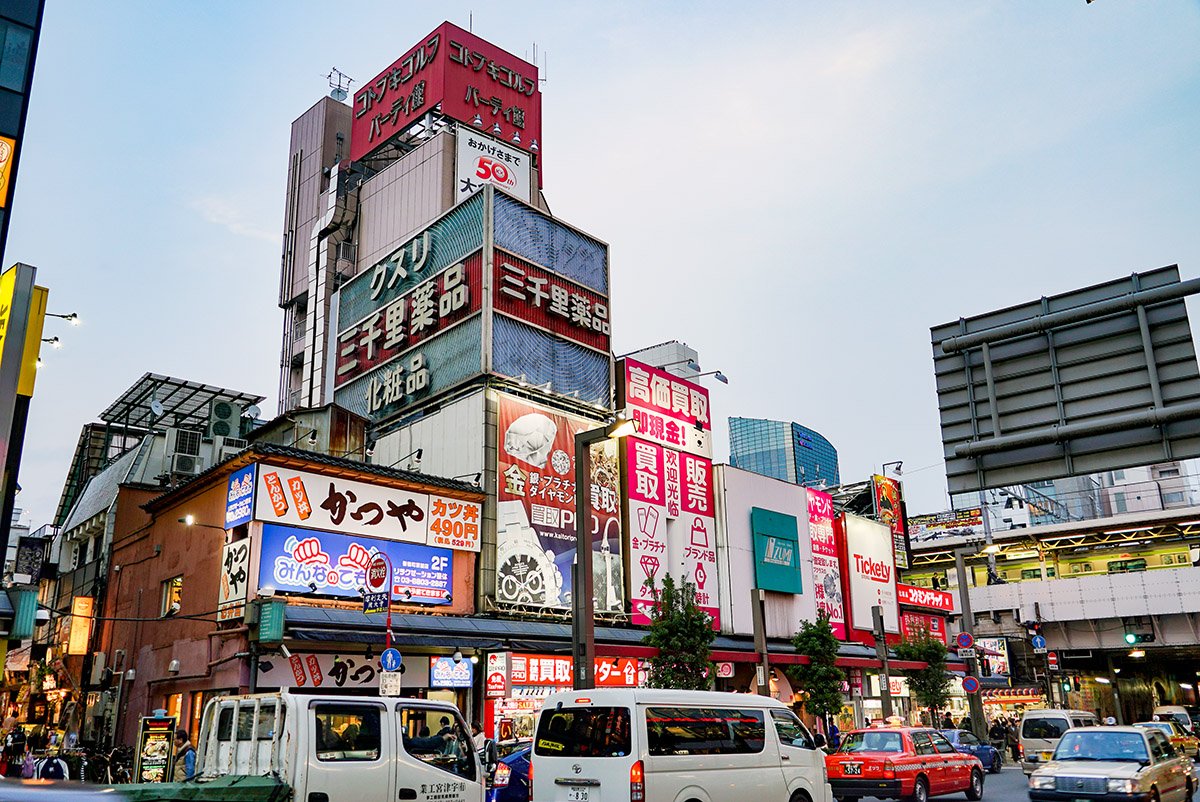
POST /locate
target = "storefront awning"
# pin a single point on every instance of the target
(334, 625)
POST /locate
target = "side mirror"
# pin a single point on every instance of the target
(820, 741)
(489, 757)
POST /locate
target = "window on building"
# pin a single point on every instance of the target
(1119, 502)
(1173, 498)
(14, 55)
(172, 595)
(1168, 472)
(1118, 476)
(172, 704)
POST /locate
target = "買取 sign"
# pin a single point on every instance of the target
(336, 564)
(776, 551)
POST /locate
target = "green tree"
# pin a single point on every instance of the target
(820, 678)
(683, 635)
(930, 685)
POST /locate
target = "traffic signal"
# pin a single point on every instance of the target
(1076, 683)
(1066, 686)
(1139, 637)
(985, 668)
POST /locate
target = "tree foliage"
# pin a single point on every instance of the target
(683, 635)
(820, 678)
(930, 685)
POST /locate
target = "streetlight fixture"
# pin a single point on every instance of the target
(583, 619)
(71, 317)
(190, 521)
(54, 341)
(899, 467)
(716, 374)
(416, 453)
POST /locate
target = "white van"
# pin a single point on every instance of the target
(641, 744)
(1175, 712)
(1042, 729)
(341, 748)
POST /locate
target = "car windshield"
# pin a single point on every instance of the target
(872, 741)
(1123, 747)
(1166, 726)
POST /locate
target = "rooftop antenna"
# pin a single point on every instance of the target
(339, 84)
(543, 68)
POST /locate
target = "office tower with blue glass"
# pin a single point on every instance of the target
(783, 450)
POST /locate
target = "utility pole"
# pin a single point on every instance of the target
(978, 725)
(881, 649)
(763, 669)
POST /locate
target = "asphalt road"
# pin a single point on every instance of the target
(1009, 785)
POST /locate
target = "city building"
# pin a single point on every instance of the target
(20, 30)
(782, 450)
(1163, 486)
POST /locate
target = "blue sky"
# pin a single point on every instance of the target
(799, 190)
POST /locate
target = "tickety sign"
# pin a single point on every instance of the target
(872, 573)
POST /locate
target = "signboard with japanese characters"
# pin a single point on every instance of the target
(334, 670)
(444, 672)
(295, 560)
(536, 509)
(239, 498)
(550, 302)
(915, 596)
(666, 409)
(672, 525)
(540, 670)
(235, 580)
(481, 160)
(454, 524)
(496, 682)
(472, 81)
(890, 512)
(334, 504)
(871, 569)
(433, 306)
(913, 623)
(827, 572)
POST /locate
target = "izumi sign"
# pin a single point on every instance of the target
(776, 551)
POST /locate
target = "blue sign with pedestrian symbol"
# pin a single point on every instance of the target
(1038, 642)
(390, 660)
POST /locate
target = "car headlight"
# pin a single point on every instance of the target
(1121, 786)
(1041, 783)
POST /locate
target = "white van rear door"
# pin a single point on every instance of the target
(436, 759)
(584, 754)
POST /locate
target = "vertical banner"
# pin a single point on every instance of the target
(890, 512)
(662, 481)
(827, 575)
(81, 625)
(535, 537)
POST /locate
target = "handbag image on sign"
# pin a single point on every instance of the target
(699, 534)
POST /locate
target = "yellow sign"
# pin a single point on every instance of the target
(33, 341)
(8, 148)
(81, 624)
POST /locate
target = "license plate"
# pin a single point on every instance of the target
(576, 794)
(1047, 755)
(852, 768)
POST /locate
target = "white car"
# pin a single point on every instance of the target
(674, 746)
(1114, 763)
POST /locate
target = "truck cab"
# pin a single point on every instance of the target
(331, 748)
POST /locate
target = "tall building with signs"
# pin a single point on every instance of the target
(427, 288)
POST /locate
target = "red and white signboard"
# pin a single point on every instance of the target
(550, 302)
(474, 81)
(915, 596)
(496, 686)
(377, 574)
(481, 160)
(827, 575)
(1052, 661)
(913, 623)
(666, 409)
(871, 572)
(544, 670)
(673, 528)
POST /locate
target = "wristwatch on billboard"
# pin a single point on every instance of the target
(525, 572)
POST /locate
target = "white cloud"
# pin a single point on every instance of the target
(224, 213)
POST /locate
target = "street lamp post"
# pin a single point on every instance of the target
(583, 618)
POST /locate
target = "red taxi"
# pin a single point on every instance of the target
(901, 763)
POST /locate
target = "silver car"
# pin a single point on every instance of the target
(1114, 763)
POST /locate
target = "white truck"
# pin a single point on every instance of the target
(311, 747)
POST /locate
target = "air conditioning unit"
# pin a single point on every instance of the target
(224, 419)
(226, 447)
(186, 464)
(183, 441)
